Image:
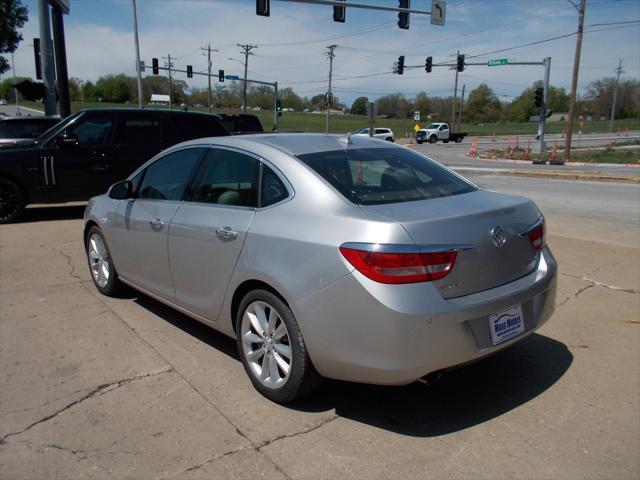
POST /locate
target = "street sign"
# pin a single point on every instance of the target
(416, 127)
(416, 116)
(438, 11)
(232, 77)
(498, 61)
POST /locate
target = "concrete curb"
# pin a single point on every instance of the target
(585, 176)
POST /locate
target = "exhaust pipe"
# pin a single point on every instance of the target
(431, 378)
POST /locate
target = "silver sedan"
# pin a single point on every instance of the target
(326, 256)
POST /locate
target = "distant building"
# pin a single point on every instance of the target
(157, 99)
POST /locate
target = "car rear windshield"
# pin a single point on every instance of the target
(373, 176)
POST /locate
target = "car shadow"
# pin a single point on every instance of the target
(461, 399)
(48, 214)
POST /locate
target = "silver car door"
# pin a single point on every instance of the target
(141, 232)
(208, 231)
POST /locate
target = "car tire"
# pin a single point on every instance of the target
(458, 139)
(433, 139)
(389, 139)
(12, 201)
(263, 345)
(103, 271)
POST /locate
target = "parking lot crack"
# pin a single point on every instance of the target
(95, 392)
(72, 273)
(296, 434)
(211, 460)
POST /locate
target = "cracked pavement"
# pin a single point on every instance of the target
(97, 387)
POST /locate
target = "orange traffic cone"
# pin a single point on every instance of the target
(528, 150)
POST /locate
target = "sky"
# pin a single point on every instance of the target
(291, 43)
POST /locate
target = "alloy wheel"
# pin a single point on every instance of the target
(266, 344)
(99, 260)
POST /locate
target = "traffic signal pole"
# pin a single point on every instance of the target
(46, 58)
(455, 96)
(543, 110)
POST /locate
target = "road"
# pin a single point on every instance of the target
(96, 387)
(12, 110)
(454, 155)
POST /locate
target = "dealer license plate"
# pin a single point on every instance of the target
(505, 325)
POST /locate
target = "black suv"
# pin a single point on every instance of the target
(89, 151)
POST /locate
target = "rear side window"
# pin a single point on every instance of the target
(272, 190)
(227, 178)
(168, 177)
(93, 129)
(197, 126)
(372, 176)
(138, 129)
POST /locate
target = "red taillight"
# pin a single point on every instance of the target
(387, 267)
(536, 237)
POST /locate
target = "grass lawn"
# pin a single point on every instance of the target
(314, 122)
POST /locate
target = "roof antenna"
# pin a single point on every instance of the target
(347, 140)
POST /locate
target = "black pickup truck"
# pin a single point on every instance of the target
(88, 151)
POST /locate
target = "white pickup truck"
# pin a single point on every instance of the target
(438, 131)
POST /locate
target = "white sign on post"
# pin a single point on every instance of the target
(416, 116)
(438, 12)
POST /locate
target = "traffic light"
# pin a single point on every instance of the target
(460, 64)
(428, 64)
(154, 66)
(262, 8)
(221, 75)
(339, 13)
(279, 107)
(403, 17)
(189, 71)
(539, 97)
(400, 64)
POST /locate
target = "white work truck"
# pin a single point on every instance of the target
(438, 131)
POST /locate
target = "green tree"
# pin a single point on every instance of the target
(359, 106)
(13, 16)
(290, 99)
(483, 106)
(523, 106)
(393, 106)
(422, 104)
(599, 97)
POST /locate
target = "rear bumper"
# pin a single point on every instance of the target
(359, 330)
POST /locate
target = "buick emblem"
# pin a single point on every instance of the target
(498, 237)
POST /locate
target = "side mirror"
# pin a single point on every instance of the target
(65, 140)
(121, 191)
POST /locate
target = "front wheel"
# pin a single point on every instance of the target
(103, 272)
(272, 350)
(433, 139)
(12, 201)
(458, 139)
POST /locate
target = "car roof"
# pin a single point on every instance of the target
(37, 119)
(297, 143)
(154, 110)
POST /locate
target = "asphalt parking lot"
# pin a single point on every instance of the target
(94, 387)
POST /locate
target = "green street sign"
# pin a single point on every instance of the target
(496, 62)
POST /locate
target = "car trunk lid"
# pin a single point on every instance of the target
(470, 220)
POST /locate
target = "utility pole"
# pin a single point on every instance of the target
(15, 90)
(461, 107)
(168, 64)
(208, 49)
(46, 58)
(138, 67)
(246, 49)
(455, 95)
(574, 81)
(619, 71)
(329, 95)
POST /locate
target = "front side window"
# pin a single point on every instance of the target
(93, 129)
(372, 176)
(227, 178)
(168, 177)
(443, 127)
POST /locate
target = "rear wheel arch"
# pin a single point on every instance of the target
(246, 287)
(15, 180)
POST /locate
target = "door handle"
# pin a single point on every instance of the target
(156, 225)
(226, 233)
